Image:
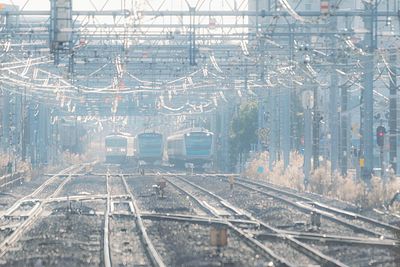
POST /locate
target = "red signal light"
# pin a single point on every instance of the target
(380, 135)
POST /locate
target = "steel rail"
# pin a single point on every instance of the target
(11, 178)
(248, 239)
(319, 207)
(34, 214)
(308, 209)
(305, 249)
(36, 191)
(155, 257)
(198, 218)
(333, 239)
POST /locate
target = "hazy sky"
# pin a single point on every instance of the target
(116, 4)
(77, 4)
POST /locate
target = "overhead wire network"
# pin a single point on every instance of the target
(92, 25)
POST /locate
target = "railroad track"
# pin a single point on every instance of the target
(124, 228)
(153, 256)
(346, 248)
(29, 208)
(221, 208)
(121, 244)
(357, 222)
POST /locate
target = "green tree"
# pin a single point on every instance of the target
(243, 131)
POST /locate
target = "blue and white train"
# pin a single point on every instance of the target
(194, 145)
(149, 147)
(119, 148)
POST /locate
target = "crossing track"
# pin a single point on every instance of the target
(184, 238)
(120, 233)
(219, 207)
(357, 222)
(342, 246)
(155, 258)
(29, 208)
(122, 213)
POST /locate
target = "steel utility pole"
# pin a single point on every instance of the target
(286, 107)
(367, 115)
(344, 130)
(316, 128)
(333, 93)
(308, 102)
(192, 36)
(273, 124)
(261, 91)
(393, 110)
(261, 124)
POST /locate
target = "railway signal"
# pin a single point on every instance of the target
(380, 135)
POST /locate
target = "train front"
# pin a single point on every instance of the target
(150, 147)
(116, 149)
(199, 149)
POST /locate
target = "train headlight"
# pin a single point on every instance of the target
(109, 149)
(122, 149)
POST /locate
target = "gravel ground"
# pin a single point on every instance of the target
(87, 207)
(272, 212)
(184, 244)
(388, 218)
(173, 201)
(61, 239)
(384, 217)
(275, 215)
(371, 256)
(116, 186)
(49, 189)
(126, 246)
(4, 233)
(292, 255)
(10, 195)
(365, 225)
(86, 184)
(280, 247)
(64, 238)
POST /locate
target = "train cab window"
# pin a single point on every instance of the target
(115, 142)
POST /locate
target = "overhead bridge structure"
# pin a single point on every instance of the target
(317, 71)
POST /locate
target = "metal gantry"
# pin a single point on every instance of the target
(187, 58)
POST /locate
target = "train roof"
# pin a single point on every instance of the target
(150, 134)
(190, 130)
(119, 134)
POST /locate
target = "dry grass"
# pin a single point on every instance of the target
(294, 177)
(68, 158)
(377, 194)
(21, 166)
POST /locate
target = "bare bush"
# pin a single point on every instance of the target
(321, 181)
(20, 165)
(293, 175)
(346, 188)
(374, 194)
(68, 158)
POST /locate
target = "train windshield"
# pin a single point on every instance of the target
(150, 145)
(198, 144)
(115, 142)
